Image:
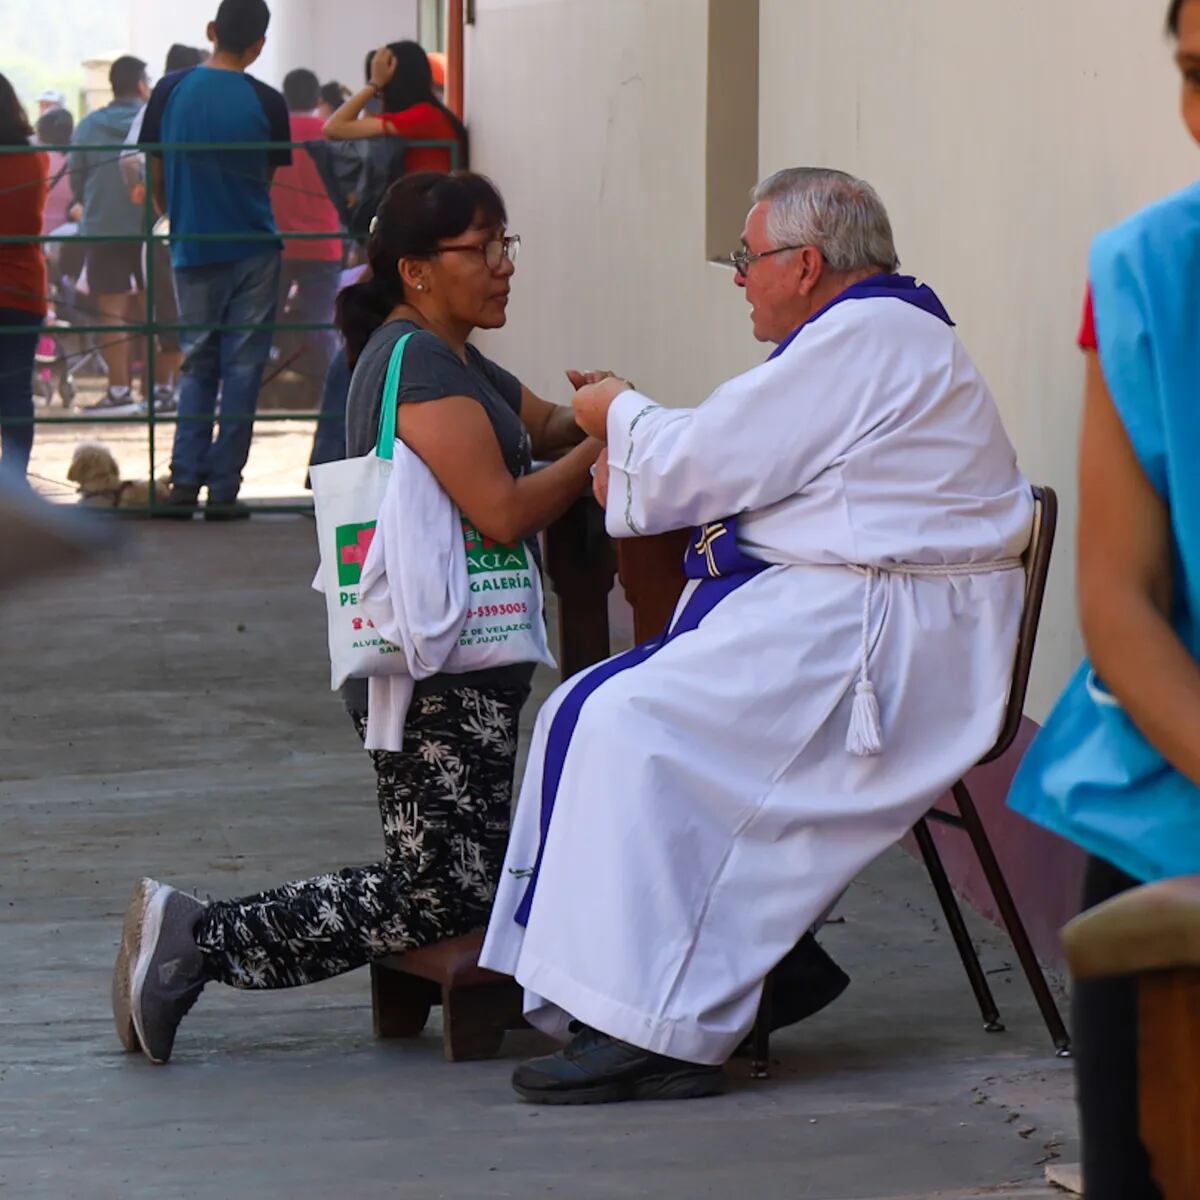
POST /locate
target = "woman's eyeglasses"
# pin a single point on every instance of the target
(494, 252)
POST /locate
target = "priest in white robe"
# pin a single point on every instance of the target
(841, 655)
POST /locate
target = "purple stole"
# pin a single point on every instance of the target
(712, 557)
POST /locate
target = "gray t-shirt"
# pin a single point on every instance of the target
(433, 371)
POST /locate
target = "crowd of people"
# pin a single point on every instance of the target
(692, 808)
(212, 272)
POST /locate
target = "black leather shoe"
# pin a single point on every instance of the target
(806, 981)
(180, 505)
(594, 1068)
(226, 510)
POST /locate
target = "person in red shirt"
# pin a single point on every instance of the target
(23, 284)
(398, 103)
(401, 78)
(302, 199)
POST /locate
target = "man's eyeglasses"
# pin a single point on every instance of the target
(741, 259)
(494, 252)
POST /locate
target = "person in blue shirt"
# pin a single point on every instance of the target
(222, 278)
(1116, 768)
(114, 269)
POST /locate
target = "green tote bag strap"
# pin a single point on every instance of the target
(385, 443)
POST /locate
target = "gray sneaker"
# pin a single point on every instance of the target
(166, 400)
(165, 403)
(127, 954)
(115, 404)
(167, 974)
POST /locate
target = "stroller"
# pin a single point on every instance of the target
(61, 354)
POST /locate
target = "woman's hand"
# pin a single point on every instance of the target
(583, 378)
(383, 67)
(593, 399)
(600, 479)
(455, 439)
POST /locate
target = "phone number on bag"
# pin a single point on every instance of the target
(497, 610)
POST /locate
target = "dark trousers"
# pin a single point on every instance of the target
(329, 443)
(1105, 1044)
(17, 353)
(315, 286)
(445, 801)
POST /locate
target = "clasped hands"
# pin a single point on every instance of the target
(595, 392)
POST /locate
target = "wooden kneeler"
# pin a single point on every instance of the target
(1153, 932)
(478, 1006)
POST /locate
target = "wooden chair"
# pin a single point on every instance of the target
(478, 1006)
(1153, 932)
(1037, 569)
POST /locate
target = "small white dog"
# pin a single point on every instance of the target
(95, 472)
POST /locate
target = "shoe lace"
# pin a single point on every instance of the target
(585, 1039)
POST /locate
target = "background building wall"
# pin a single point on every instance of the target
(329, 38)
(1001, 136)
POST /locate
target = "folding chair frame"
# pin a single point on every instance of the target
(1037, 569)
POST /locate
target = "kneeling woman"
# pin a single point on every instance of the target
(442, 263)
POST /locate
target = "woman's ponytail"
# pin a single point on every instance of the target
(361, 309)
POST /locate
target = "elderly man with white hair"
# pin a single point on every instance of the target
(841, 655)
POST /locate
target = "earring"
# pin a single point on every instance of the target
(420, 287)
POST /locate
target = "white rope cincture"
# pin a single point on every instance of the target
(864, 738)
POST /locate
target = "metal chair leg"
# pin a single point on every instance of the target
(958, 928)
(760, 1043)
(1012, 919)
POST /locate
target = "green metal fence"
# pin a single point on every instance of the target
(152, 327)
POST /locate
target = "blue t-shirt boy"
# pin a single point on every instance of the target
(219, 191)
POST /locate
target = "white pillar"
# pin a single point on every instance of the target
(344, 30)
(154, 27)
(289, 39)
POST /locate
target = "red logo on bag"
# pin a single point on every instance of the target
(353, 542)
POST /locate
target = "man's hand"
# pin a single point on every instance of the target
(600, 479)
(593, 399)
(383, 67)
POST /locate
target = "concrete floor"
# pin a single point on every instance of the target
(170, 715)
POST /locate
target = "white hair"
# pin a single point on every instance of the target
(840, 215)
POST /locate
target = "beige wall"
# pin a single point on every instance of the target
(1001, 134)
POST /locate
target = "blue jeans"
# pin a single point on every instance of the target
(243, 292)
(17, 353)
(329, 444)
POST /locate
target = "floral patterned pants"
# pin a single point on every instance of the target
(445, 800)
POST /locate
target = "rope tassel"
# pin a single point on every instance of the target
(864, 738)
